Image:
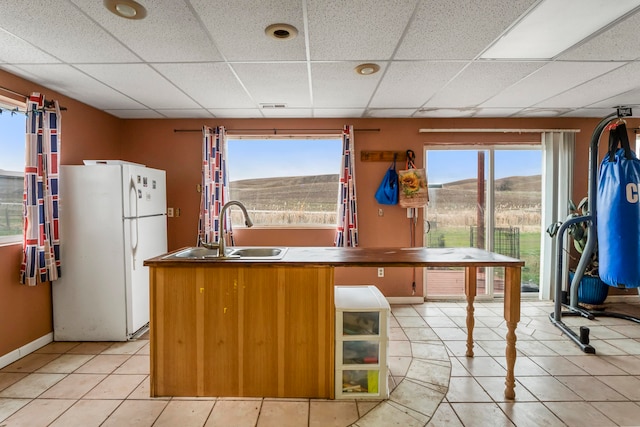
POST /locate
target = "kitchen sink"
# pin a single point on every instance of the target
(195, 253)
(256, 252)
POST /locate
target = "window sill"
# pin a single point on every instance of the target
(8, 242)
(287, 227)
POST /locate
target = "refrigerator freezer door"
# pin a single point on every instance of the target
(144, 191)
(151, 236)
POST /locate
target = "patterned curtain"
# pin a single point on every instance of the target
(347, 231)
(41, 242)
(215, 186)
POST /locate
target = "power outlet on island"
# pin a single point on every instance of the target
(380, 272)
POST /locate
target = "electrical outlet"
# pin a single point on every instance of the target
(380, 272)
(170, 212)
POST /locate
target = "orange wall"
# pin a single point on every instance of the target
(155, 143)
(26, 312)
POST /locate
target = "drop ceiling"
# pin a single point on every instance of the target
(212, 58)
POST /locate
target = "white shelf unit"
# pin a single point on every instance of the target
(362, 341)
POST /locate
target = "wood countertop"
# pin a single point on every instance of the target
(355, 257)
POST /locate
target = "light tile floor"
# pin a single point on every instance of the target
(107, 384)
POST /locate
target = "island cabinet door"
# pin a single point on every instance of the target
(173, 334)
(219, 326)
(307, 318)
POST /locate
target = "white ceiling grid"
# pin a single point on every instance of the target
(212, 58)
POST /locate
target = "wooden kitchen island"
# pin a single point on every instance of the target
(265, 327)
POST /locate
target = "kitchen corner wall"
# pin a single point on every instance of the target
(26, 311)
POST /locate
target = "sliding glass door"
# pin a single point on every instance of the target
(490, 199)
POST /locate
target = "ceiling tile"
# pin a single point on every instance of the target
(84, 88)
(286, 112)
(389, 112)
(495, 112)
(620, 80)
(411, 84)
(185, 113)
(214, 85)
(241, 36)
(286, 83)
(614, 44)
(589, 112)
(135, 114)
(18, 51)
(356, 29)
(542, 112)
(62, 31)
(631, 98)
(445, 112)
(338, 112)
(142, 83)
(446, 29)
(177, 33)
(337, 85)
(548, 81)
(480, 81)
(236, 112)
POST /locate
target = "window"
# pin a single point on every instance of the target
(12, 134)
(486, 198)
(285, 182)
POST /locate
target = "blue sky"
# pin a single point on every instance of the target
(254, 158)
(12, 130)
(445, 166)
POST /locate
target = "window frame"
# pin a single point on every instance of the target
(337, 136)
(13, 106)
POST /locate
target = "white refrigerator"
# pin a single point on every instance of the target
(112, 218)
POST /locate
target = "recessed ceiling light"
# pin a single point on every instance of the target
(128, 9)
(367, 69)
(281, 31)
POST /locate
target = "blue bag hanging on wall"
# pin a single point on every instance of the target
(618, 213)
(387, 192)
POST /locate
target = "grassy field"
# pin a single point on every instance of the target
(312, 193)
(529, 247)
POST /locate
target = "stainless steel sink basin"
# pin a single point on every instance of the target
(255, 252)
(258, 252)
(195, 253)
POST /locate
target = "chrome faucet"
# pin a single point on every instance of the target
(220, 244)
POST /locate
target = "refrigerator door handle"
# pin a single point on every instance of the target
(134, 219)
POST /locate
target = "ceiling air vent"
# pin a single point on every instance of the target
(273, 105)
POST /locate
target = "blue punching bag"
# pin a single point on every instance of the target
(618, 213)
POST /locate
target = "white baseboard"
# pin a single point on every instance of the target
(405, 300)
(16, 354)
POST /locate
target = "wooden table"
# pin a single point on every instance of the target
(322, 257)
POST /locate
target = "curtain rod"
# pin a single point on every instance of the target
(47, 105)
(484, 130)
(275, 131)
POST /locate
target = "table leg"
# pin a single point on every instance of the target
(512, 316)
(470, 284)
